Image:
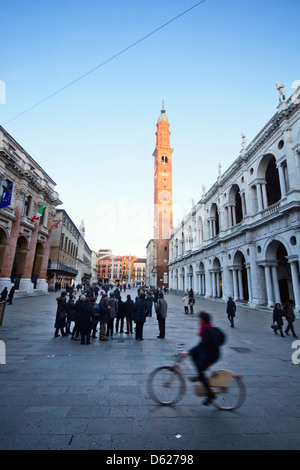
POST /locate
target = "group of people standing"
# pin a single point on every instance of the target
(189, 302)
(111, 313)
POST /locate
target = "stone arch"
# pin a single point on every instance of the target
(189, 238)
(214, 221)
(199, 228)
(190, 277)
(39, 253)
(240, 275)
(267, 170)
(216, 278)
(19, 260)
(235, 202)
(281, 285)
(3, 245)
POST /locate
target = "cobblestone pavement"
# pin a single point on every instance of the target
(58, 394)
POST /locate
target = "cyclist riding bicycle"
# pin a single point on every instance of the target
(205, 353)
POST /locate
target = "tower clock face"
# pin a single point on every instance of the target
(164, 196)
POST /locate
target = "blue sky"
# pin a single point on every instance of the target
(215, 67)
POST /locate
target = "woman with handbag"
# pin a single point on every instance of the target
(277, 319)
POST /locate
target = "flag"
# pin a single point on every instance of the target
(55, 225)
(6, 197)
(39, 214)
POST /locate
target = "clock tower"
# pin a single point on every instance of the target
(163, 212)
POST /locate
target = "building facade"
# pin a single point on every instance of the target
(242, 238)
(24, 242)
(138, 272)
(163, 204)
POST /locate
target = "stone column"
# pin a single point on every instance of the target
(259, 197)
(241, 289)
(282, 180)
(296, 286)
(235, 284)
(25, 282)
(269, 286)
(249, 283)
(277, 298)
(264, 195)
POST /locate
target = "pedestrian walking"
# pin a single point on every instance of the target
(230, 310)
(4, 294)
(191, 301)
(277, 319)
(141, 311)
(10, 295)
(61, 315)
(128, 309)
(103, 316)
(161, 315)
(186, 301)
(288, 313)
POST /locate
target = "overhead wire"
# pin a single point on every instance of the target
(47, 98)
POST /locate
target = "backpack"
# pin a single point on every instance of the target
(220, 336)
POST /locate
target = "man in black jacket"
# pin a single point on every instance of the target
(103, 316)
(141, 310)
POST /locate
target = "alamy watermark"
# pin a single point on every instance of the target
(2, 352)
(296, 354)
(2, 92)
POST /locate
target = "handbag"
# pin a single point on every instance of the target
(274, 325)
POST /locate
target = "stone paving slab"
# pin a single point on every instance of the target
(57, 394)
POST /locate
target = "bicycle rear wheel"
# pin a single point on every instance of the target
(232, 396)
(166, 385)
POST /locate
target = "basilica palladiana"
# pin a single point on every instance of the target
(242, 239)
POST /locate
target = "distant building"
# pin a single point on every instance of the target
(70, 259)
(138, 272)
(114, 269)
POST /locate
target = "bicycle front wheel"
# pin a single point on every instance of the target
(232, 396)
(166, 385)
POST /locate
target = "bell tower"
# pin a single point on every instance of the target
(163, 208)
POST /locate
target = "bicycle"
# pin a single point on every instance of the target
(166, 385)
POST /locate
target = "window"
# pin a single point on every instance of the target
(26, 205)
(4, 187)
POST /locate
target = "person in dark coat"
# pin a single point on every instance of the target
(149, 299)
(10, 295)
(117, 293)
(277, 319)
(113, 312)
(230, 310)
(70, 312)
(141, 310)
(161, 315)
(205, 353)
(4, 294)
(86, 316)
(120, 316)
(61, 315)
(288, 313)
(128, 309)
(103, 316)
